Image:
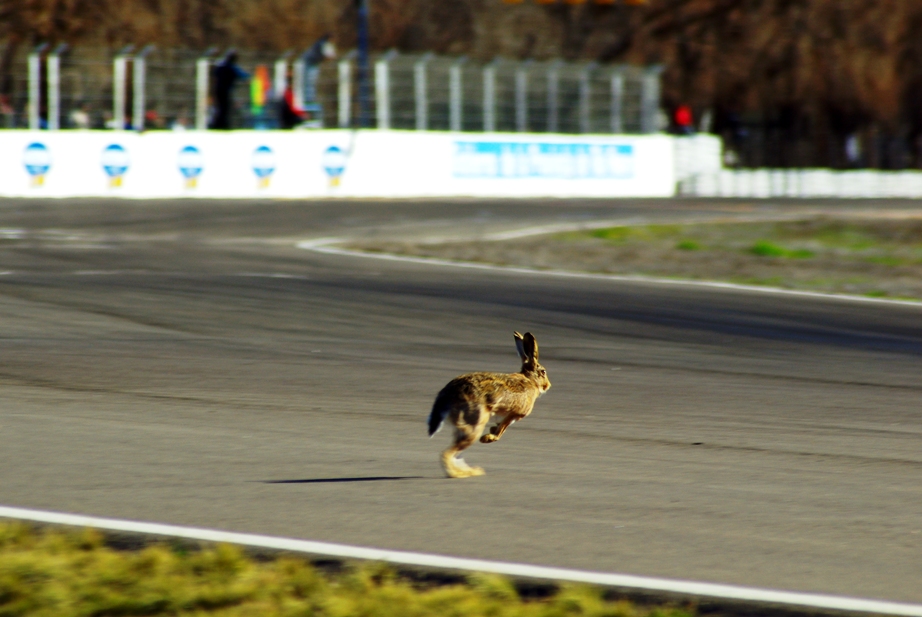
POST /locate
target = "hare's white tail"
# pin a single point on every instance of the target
(436, 418)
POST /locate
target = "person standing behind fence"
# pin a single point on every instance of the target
(289, 114)
(226, 74)
(322, 50)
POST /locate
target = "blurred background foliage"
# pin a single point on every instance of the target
(802, 66)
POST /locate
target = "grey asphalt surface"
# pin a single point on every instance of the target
(183, 362)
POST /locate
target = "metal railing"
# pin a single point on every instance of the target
(159, 89)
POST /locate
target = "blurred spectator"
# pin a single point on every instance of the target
(153, 120)
(180, 122)
(684, 122)
(289, 115)
(80, 116)
(706, 123)
(7, 111)
(226, 74)
(322, 50)
(853, 150)
(260, 95)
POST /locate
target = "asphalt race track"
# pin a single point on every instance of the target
(183, 362)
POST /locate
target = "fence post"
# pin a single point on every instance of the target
(649, 99)
(202, 68)
(383, 89)
(585, 94)
(35, 86)
(54, 87)
(521, 96)
(297, 81)
(280, 76)
(455, 95)
(139, 78)
(617, 101)
(421, 91)
(489, 96)
(120, 87)
(344, 93)
(553, 97)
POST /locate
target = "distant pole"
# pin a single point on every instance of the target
(139, 75)
(650, 99)
(202, 68)
(120, 86)
(35, 86)
(54, 87)
(345, 90)
(364, 75)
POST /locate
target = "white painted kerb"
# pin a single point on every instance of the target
(626, 581)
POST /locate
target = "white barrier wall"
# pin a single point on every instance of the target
(307, 164)
(804, 183)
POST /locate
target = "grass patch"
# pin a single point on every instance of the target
(619, 235)
(688, 245)
(63, 574)
(614, 234)
(764, 248)
(819, 253)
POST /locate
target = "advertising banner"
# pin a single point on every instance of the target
(335, 163)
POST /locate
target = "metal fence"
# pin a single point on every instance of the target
(161, 89)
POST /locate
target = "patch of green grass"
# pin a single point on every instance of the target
(641, 232)
(70, 574)
(764, 248)
(665, 231)
(877, 293)
(688, 245)
(615, 234)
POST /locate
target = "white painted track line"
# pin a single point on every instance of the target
(623, 581)
(326, 246)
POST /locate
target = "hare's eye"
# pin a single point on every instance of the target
(543, 372)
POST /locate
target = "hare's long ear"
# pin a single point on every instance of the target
(531, 346)
(520, 346)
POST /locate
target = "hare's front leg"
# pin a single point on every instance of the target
(465, 436)
(497, 431)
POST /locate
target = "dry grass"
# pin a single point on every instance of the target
(63, 574)
(879, 258)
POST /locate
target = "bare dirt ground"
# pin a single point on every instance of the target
(877, 257)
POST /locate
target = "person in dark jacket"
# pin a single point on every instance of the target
(226, 74)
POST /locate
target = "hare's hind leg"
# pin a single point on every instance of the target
(465, 435)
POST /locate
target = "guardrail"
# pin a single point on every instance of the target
(803, 183)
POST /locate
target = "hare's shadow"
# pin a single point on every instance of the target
(336, 480)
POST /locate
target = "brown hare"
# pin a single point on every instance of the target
(469, 401)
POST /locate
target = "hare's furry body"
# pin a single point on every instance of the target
(469, 401)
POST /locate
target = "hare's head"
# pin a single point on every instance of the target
(527, 347)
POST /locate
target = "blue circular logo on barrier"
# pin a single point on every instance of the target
(263, 161)
(334, 161)
(37, 159)
(191, 162)
(115, 161)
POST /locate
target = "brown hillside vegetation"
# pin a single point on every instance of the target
(814, 70)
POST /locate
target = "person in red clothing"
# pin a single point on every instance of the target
(683, 120)
(289, 115)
